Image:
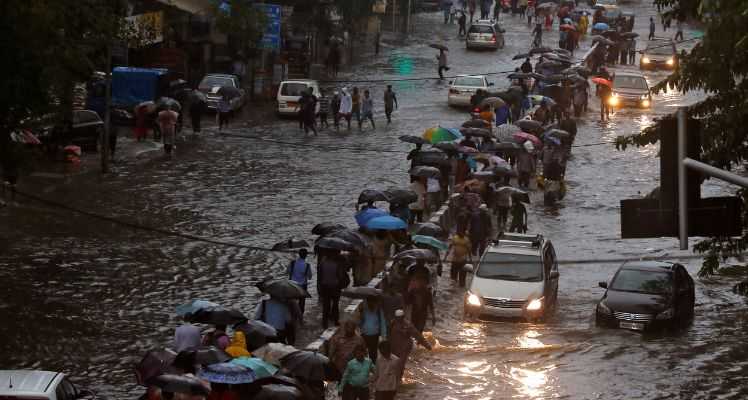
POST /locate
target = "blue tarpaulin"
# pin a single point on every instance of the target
(131, 86)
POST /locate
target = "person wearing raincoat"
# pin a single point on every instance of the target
(346, 107)
(583, 24)
(238, 346)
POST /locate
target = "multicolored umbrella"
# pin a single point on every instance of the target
(438, 134)
(227, 373)
(260, 367)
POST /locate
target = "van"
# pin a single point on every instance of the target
(38, 385)
(517, 277)
(289, 93)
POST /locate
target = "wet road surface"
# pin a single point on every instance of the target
(90, 297)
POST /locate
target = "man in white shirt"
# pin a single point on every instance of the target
(433, 188)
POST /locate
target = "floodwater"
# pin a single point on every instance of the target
(89, 297)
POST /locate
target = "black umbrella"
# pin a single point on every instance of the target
(521, 56)
(629, 35)
(486, 176)
(361, 292)
(500, 146)
(529, 125)
(256, 333)
(551, 79)
(434, 157)
(519, 75)
(517, 194)
(559, 133)
(610, 34)
(275, 391)
(476, 123)
(332, 243)
(179, 384)
(417, 254)
(308, 365)
(402, 196)
(229, 92)
(254, 388)
(479, 132)
(562, 52)
(218, 316)
(283, 289)
(197, 96)
(439, 46)
(430, 229)
(371, 195)
(537, 75)
(326, 228)
(503, 170)
(167, 103)
(424, 171)
(413, 139)
(291, 244)
(207, 355)
(550, 64)
(448, 147)
(540, 50)
(358, 240)
(155, 363)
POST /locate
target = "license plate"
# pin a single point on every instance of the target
(632, 325)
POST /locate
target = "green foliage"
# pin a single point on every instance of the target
(354, 9)
(717, 65)
(240, 20)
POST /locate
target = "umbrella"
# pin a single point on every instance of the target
(480, 132)
(308, 365)
(291, 244)
(540, 50)
(276, 391)
(401, 196)
(518, 75)
(430, 241)
(602, 81)
(433, 157)
(194, 306)
(197, 96)
(528, 125)
(629, 35)
(167, 103)
(25, 136)
(537, 99)
(552, 139)
(549, 65)
(284, 289)
(449, 147)
(503, 170)
(439, 134)
(545, 6)
(218, 316)
(476, 123)
(227, 373)
(424, 171)
(179, 384)
(413, 139)
(438, 46)
(371, 196)
(260, 367)
(494, 102)
(155, 363)
(506, 131)
(563, 52)
(487, 176)
(602, 40)
(521, 56)
(361, 292)
(333, 243)
(357, 239)
(522, 136)
(567, 27)
(416, 254)
(256, 333)
(601, 26)
(430, 229)
(326, 228)
(518, 194)
(71, 148)
(611, 35)
(149, 106)
(273, 352)
(559, 133)
(386, 223)
(206, 355)
(505, 146)
(363, 216)
(229, 92)
(467, 150)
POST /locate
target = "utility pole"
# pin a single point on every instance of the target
(682, 189)
(407, 18)
(107, 112)
(394, 8)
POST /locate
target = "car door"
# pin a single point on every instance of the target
(552, 278)
(683, 287)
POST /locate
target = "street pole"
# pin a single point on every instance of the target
(394, 7)
(407, 21)
(107, 112)
(682, 192)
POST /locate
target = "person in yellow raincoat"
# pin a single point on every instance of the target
(238, 346)
(583, 24)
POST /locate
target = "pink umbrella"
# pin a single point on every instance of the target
(523, 136)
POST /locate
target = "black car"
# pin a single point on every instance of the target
(86, 130)
(646, 295)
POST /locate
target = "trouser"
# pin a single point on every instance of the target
(457, 270)
(433, 201)
(302, 302)
(679, 35)
(372, 344)
(112, 141)
(336, 119)
(355, 393)
(290, 334)
(223, 119)
(624, 57)
(462, 31)
(364, 117)
(388, 395)
(632, 57)
(330, 298)
(196, 117)
(323, 120)
(524, 179)
(651, 35)
(416, 216)
(446, 15)
(442, 68)
(418, 318)
(501, 217)
(388, 113)
(309, 125)
(478, 245)
(356, 115)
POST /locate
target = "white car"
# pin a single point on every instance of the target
(464, 87)
(212, 85)
(37, 385)
(289, 93)
(517, 277)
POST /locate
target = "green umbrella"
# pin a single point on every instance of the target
(438, 134)
(430, 241)
(260, 367)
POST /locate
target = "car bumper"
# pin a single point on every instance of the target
(482, 45)
(500, 312)
(632, 103)
(657, 65)
(458, 100)
(609, 321)
(285, 110)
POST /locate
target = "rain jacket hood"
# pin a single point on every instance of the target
(238, 346)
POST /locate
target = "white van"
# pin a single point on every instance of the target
(517, 277)
(289, 93)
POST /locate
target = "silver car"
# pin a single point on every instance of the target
(484, 34)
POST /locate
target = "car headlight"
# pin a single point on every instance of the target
(645, 103)
(603, 309)
(645, 60)
(535, 305)
(613, 100)
(473, 299)
(670, 61)
(644, 97)
(667, 314)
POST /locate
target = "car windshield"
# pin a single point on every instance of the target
(466, 81)
(639, 281)
(661, 49)
(293, 89)
(630, 82)
(511, 267)
(213, 81)
(480, 29)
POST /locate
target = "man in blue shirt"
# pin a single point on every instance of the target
(373, 325)
(300, 272)
(276, 313)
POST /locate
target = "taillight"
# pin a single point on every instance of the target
(493, 38)
(476, 110)
(454, 91)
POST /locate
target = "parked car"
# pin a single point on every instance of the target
(463, 87)
(630, 89)
(646, 295)
(211, 85)
(517, 277)
(37, 385)
(484, 34)
(659, 54)
(289, 93)
(86, 130)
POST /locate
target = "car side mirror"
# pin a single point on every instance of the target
(554, 274)
(603, 285)
(468, 268)
(490, 83)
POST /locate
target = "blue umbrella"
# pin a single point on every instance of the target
(194, 306)
(386, 223)
(363, 216)
(430, 241)
(456, 132)
(260, 367)
(552, 139)
(227, 373)
(601, 26)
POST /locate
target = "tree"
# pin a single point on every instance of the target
(718, 66)
(241, 20)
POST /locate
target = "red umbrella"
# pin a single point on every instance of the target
(603, 81)
(567, 27)
(524, 136)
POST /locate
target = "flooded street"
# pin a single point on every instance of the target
(90, 297)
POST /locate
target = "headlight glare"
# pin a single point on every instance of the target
(473, 299)
(645, 60)
(670, 61)
(535, 305)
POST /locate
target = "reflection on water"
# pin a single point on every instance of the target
(529, 383)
